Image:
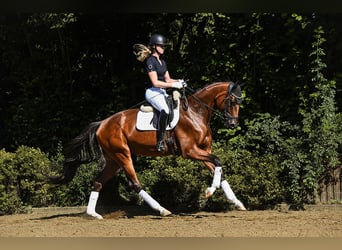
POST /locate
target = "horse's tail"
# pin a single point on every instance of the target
(82, 149)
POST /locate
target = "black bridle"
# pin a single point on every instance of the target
(233, 89)
(231, 103)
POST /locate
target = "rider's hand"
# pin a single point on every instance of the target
(183, 83)
(177, 85)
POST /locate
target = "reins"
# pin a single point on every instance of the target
(187, 90)
(191, 93)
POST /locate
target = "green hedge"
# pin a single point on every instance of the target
(22, 180)
(181, 184)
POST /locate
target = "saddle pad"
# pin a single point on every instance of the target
(144, 120)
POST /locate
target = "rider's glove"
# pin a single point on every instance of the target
(183, 83)
(177, 85)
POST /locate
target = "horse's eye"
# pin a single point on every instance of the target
(233, 102)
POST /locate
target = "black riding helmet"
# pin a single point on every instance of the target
(157, 39)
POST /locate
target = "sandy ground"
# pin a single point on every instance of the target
(140, 221)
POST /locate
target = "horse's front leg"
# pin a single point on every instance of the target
(217, 172)
(214, 164)
(228, 192)
(211, 161)
(218, 182)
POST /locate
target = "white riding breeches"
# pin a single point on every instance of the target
(157, 98)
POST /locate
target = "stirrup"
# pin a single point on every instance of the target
(160, 146)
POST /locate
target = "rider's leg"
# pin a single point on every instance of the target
(157, 97)
(162, 124)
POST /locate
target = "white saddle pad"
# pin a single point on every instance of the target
(144, 120)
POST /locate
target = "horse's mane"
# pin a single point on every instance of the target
(209, 85)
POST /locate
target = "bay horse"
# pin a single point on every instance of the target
(115, 139)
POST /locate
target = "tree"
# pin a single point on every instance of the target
(320, 127)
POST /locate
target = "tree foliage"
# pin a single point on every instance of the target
(61, 71)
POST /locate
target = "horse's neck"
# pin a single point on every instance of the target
(203, 101)
(200, 105)
(208, 94)
(200, 108)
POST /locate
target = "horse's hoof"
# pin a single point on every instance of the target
(95, 215)
(240, 207)
(209, 192)
(165, 212)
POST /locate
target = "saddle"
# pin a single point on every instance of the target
(147, 117)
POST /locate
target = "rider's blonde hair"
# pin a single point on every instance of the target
(141, 52)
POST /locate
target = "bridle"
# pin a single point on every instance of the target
(227, 101)
(231, 103)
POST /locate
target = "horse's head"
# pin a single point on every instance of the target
(225, 96)
(232, 103)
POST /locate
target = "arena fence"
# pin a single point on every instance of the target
(330, 188)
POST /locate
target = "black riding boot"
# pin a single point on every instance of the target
(162, 123)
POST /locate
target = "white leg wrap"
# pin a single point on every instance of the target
(149, 200)
(153, 203)
(216, 182)
(92, 204)
(209, 191)
(231, 196)
(228, 191)
(217, 177)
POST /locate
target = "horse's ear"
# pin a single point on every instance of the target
(242, 84)
(232, 85)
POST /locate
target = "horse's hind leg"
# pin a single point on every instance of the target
(107, 173)
(153, 203)
(134, 182)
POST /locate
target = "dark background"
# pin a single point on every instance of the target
(61, 71)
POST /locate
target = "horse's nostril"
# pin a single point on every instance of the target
(233, 124)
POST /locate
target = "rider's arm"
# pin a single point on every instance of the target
(160, 84)
(168, 78)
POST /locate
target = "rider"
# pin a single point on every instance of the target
(159, 80)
